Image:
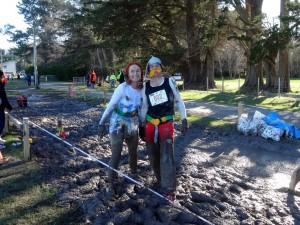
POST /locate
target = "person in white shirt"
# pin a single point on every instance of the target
(124, 108)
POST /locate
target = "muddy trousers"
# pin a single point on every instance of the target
(162, 161)
(116, 141)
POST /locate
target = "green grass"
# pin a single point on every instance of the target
(10, 150)
(231, 85)
(25, 197)
(295, 85)
(17, 85)
(274, 103)
(209, 122)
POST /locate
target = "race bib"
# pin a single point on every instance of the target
(158, 97)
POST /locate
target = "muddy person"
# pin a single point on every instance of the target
(159, 96)
(124, 108)
(4, 105)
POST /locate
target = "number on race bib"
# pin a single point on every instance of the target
(158, 97)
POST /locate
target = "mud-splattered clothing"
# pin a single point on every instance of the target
(124, 108)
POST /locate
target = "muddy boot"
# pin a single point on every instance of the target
(167, 168)
(110, 191)
(154, 155)
(295, 178)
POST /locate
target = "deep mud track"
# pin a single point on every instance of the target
(222, 176)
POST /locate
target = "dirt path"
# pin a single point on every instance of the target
(225, 177)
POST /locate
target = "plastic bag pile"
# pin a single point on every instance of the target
(269, 126)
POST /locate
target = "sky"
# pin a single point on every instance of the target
(9, 15)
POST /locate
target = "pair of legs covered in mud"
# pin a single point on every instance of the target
(162, 154)
(116, 140)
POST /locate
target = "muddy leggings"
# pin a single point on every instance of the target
(116, 141)
(162, 154)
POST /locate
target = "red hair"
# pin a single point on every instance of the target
(127, 71)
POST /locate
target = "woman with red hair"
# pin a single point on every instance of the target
(124, 108)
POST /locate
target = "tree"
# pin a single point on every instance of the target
(250, 14)
(283, 72)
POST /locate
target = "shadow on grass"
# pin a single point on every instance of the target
(275, 103)
(19, 180)
(26, 198)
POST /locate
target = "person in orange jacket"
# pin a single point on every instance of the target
(93, 79)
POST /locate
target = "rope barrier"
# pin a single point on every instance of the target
(174, 204)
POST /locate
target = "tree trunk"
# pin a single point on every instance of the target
(254, 71)
(283, 72)
(270, 69)
(194, 62)
(195, 75)
(210, 68)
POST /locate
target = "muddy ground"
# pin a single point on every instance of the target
(222, 176)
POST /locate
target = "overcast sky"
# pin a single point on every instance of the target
(9, 15)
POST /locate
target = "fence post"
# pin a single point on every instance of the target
(104, 97)
(279, 86)
(258, 86)
(222, 84)
(207, 83)
(240, 109)
(46, 78)
(183, 84)
(239, 82)
(26, 143)
(6, 123)
(71, 90)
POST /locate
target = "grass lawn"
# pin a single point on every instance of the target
(17, 85)
(295, 85)
(205, 121)
(231, 85)
(13, 151)
(25, 195)
(231, 98)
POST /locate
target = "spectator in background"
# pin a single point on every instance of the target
(112, 79)
(28, 78)
(87, 78)
(121, 77)
(4, 104)
(93, 79)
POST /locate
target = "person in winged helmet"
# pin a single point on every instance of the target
(160, 95)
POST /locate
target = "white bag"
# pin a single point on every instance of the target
(272, 133)
(257, 124)
(244, 124)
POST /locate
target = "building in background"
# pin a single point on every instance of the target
(10, 67)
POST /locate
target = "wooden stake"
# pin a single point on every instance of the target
(6, 123)
(240, 109)
(206, 83)
(222, 84)
(258, 86)
(26, 142)
(279, 86)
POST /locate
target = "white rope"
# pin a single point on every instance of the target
(174, 204)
